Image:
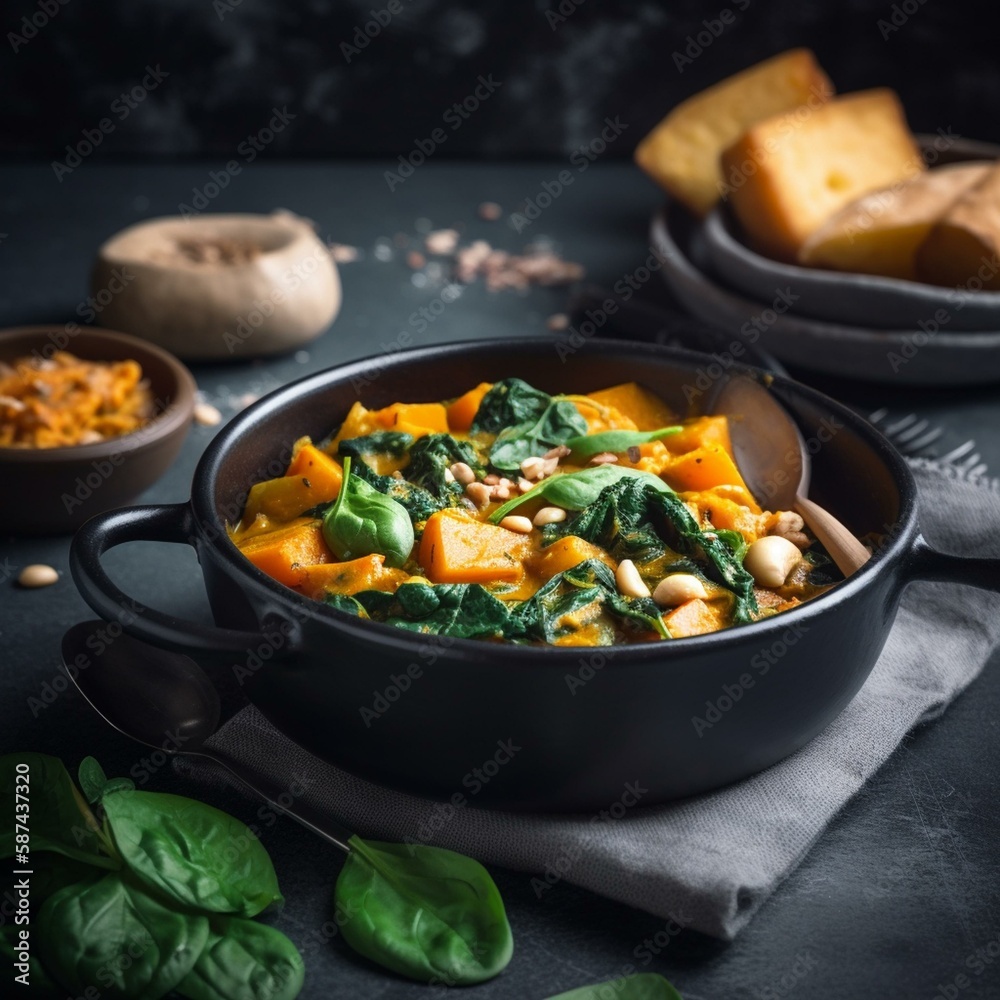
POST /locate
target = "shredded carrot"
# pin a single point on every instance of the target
(53, 403)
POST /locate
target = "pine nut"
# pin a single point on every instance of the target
(629, 582)
(549, 515)
(605, 458)
(524, 485)
(500, 493)
(678, 588)
(515, 522)
(532, 468)
(207, 415)
(549, 465)
(449, 476)
(463, 473)
(478, 493)
(492, 479)
(770, 559)
(559, 451)
(37, 575)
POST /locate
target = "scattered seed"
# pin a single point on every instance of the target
(415, 259)
(500, 493)
(37, 575)
(557, 321)
(207, 415)
(605, 458)
(559, 451)
(342, 253)
(492, 479)
(490, 211)
(549, 515)
(442, 241)
(524, 485)
(515, 522)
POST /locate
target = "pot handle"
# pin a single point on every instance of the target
(154, 523)
(928, 563)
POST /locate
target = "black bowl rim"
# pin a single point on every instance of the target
(175, 416)
(477, 650)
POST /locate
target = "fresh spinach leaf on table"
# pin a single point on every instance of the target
(191, 852)
(641, 986)
(115, 934)
(60, 819)
(526, 421)
(244, 960)
(424, 912)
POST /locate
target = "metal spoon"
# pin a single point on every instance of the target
(775, 464)
(166, 701)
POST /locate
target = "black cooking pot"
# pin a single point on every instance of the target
(525, 727)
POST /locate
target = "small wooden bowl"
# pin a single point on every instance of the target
(54, 490)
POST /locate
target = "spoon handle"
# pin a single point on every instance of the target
(845, 550)
(278, 796)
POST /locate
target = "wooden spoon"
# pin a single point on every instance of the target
(775, 464)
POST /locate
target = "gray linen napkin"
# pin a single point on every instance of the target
(710, 861)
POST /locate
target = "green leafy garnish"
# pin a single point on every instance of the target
(526, 421)
(577, 490)
(394, 443)
(642, 986)
(634, 519)
(557, 607)
(418, 502)
(363, 521)
(424, 912)
(588, 445)
(431, 457)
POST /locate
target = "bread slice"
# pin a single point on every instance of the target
(788, 175)
(682, 152)
(881, 232)
(963, 249)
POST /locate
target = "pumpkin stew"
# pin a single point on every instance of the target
(508, 514)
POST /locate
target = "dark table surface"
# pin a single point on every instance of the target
(893, 902)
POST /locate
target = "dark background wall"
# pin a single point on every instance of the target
(562, 65)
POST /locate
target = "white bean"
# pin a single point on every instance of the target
(38, 575)
(478, 493)
(549, 515)
(769, 560)
(515, 522)
(629, 582)
(678, 588)
(463, 473)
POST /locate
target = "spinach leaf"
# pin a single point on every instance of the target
(424, 912)
(526, 421)
(464, 610)
(349, 605)
(431, 457)
(557, 607)
(112, 933)
(419, 503)
(588, 445)
(722, 564)
(632, 518)
(59, 819)
(37, 978)
(392, 443)
(363, 521)
(244, 960)
(192, 853)
(642, 986)
(94, 782)
(576, 490)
